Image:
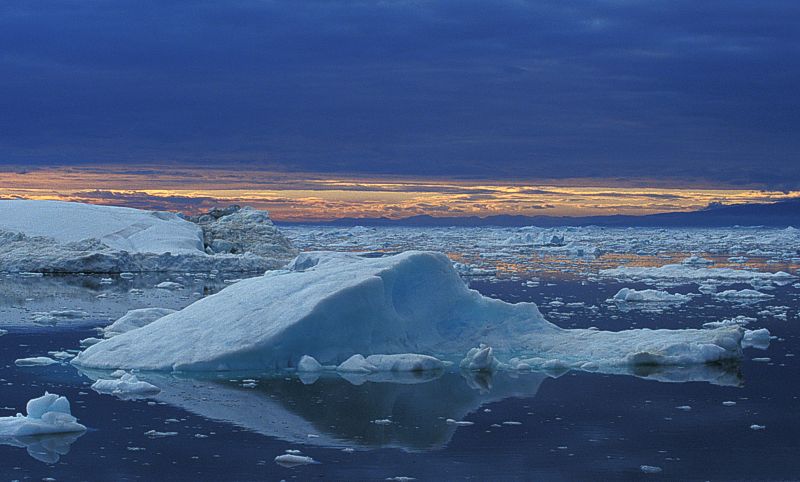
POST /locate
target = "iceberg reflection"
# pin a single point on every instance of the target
(329, 410)
(44, 448)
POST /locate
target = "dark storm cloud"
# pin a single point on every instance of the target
(507, 88)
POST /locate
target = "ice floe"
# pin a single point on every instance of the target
(628, 295)
(681, 273)
(331, 306)
(746, 295)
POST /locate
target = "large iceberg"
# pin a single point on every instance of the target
(66, 237)
(330, 306)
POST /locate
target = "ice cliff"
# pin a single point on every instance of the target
(331, 306)
(65, 237)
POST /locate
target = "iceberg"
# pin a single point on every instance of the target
(67, 237)
(331, 306)
(48, 414)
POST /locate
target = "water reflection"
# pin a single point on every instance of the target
(328, 410)
(44, 448)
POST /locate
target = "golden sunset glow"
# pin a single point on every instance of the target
(313, 197)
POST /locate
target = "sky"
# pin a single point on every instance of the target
(678, 94)
(303, 197)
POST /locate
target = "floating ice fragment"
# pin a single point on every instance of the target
(308, 364)
(480, 359)
(127, 386)
(356, 364)
(169, 285)
(743, 295)
(628, 295)
(292, 460)
(459, 423)
(650, 469)
(156, 434)
(756, 338)
(48, 414)
(757, 427)
(37, 361)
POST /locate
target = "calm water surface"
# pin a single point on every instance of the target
(558, 426)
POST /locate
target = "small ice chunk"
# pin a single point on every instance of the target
(382, 421)
(156, 434)
(459, 423)
(169, 285)
(36, 361)
(685, 408)
(309, 364)
(729, 403)
(650, 469)
(356, 364)
(293, 460)
(755, 426)
(480, 359)
(756, 339)
(125, 386)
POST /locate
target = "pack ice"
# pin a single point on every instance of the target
(56, 236)
(331, 306)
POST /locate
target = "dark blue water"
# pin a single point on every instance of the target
(577, 426)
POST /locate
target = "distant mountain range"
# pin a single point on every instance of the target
(779, 214)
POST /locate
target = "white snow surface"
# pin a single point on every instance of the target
(134, 319)
(47, 414)
(124, 229)
(330, 306)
